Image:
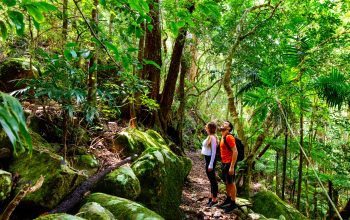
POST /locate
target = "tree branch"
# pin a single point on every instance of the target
(203, 91)
(95, 36)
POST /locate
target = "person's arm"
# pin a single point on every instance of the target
(213, 152)
(233, 147)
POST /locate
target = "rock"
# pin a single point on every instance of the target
(60, 179)
(5, 184)
(59, 216)
(12, 69)
(161, 173)
(87, 160)
(122, 208)
(93, 210)
(270, 205)
(121, 182)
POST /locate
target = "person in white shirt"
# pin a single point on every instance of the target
(209, 147)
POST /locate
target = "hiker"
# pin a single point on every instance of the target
(229, 153)
(209, 151)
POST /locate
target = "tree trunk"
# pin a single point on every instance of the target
(330, 193)
(92, 77)
(300, 169)
(277, 174)
(307, 211)
(284, 161)
(65, 20)
(182, 98)
(152, 51)
(345, 212)
(315, 202)
(173, 72)
(194, 55)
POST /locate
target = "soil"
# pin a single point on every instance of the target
(196, 192)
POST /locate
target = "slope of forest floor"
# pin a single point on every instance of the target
(196, 190)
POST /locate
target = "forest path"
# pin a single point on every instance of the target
(196, 190)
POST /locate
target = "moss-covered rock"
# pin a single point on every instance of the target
(123, 208)
(14, 68)
(59, 216)
(87, 160)
(5, 184)
(121, 182)
(59, 181)
(161, 174)
(94, 211)
(270, 205)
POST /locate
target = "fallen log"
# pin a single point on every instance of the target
(81, 190)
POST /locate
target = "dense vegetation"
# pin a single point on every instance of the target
(278, 69)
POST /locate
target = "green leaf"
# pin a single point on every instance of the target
(17, 19)
(71, 44)
(9, 3)
(174, 28)
(3, 30)
(44, 6)
(35, 12)
(113, 48)
(180, 24)
(67, 54)
(151, 62)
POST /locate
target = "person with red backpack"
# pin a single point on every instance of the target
(209, 146)
(229, 154)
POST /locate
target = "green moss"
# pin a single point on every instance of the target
(88, 160)
(59, 216)
(123, 208)
(5, 184)
(59, 181)
(270, 205)
(121, 182)
(94, 211)
(161, 172)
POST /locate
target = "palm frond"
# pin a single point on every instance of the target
(334, 88)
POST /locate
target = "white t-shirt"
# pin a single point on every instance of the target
(210, 150)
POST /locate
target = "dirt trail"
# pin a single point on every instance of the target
(196, 190)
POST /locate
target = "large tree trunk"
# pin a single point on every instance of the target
(152, 51)
(150, 56)
(170, 83)
(330, 193)
(92, 78)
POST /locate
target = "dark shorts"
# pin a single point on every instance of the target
(226, 177)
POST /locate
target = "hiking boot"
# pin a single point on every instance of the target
(226, 203)
(212, 203)
(209, 201)
(231, 207)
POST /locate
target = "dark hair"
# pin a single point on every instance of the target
(230, 125)
(212, 127)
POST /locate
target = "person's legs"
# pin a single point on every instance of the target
(213, 183)
(225, 177)
(232, 192)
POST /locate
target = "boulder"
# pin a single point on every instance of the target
(60, 178)
(121, 182)
(123, 208)
(5, 184)
(59, 216)
(161, 173)
(87, 160)
(270, 205)
(12, 69)
(93, 210)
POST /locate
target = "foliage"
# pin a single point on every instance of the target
(14, 124)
